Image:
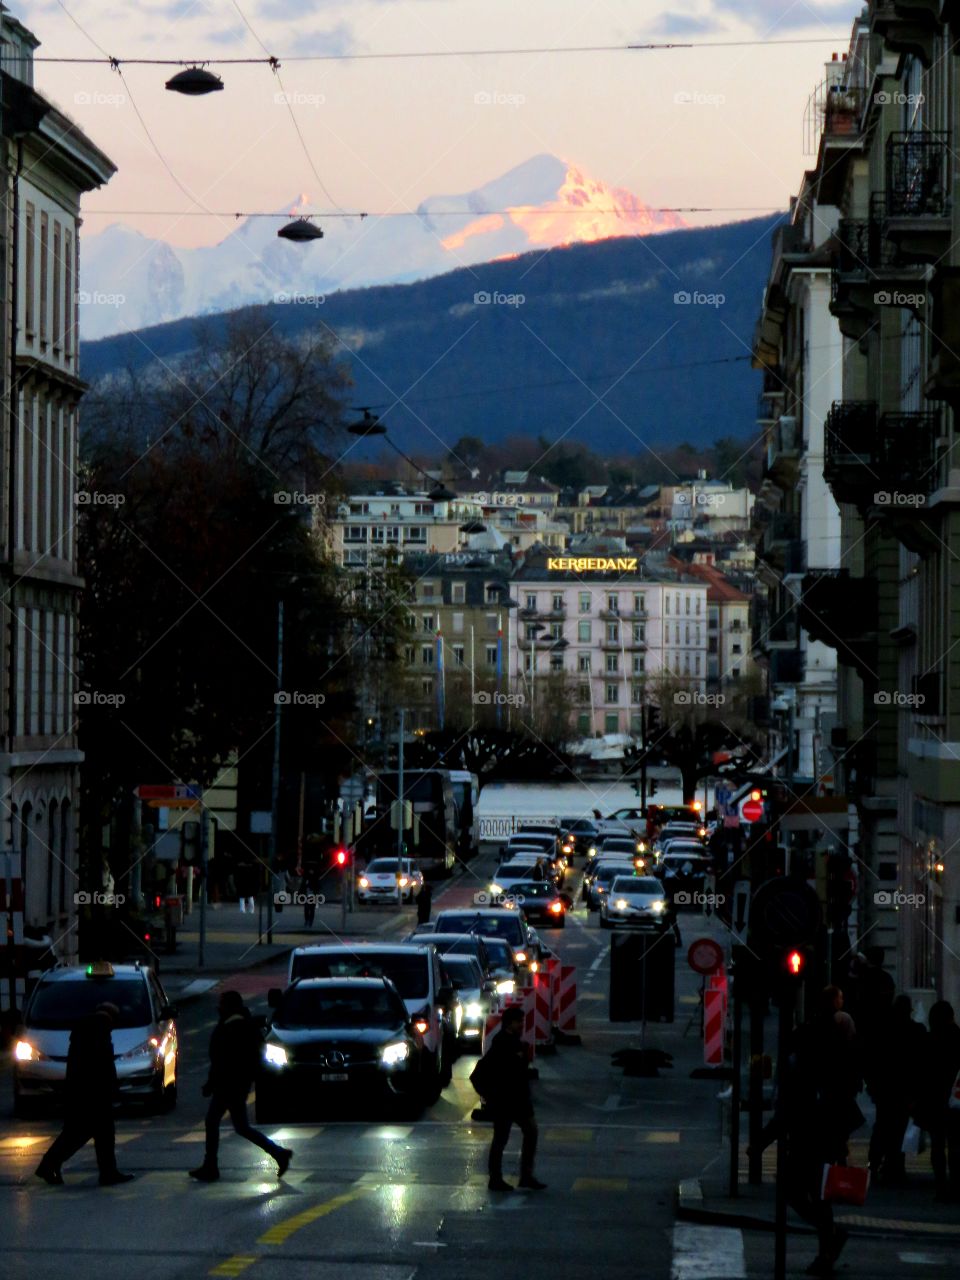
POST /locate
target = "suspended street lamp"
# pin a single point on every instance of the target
(369, 425)
(300, 230)
(440, 493)
(194, 82)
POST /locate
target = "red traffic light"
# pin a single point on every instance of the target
(795, 962)
(341, 857)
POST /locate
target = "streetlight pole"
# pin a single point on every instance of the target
(275, 778)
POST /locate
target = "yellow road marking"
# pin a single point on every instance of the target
(600, 1184)
(661, 1137)
(21, 1142)
(198, 1135)
(282, 1232)
(235, 1265)
(568, 1135)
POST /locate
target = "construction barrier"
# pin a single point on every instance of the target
(523, 999)
(714, 1019)
(551, 972)
(538, 1012)
(565, 1008)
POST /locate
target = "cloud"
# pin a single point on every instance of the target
(769, 16)
(682, 24)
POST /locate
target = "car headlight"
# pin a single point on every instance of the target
(391, 1055)
(592, 851)
(506, 987)
(621, 904)
(275, 1054)
(141, 1050)
(403, 881)
(364, 882)
(568, 848)
(495, 888)
(658, 906)
(474, 1009)
(24, 1051)
(520, 957)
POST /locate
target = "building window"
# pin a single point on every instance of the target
(493, 625)
(613, 604)
(457, 623)
(411, 655)
(698, 640)
(377, 533)
(585, 599)
(611, 722)
(666, 603)
(531, 630)
(687, 604)
(29, 269)
(583, 694)
(640, 604)
(359, 508)
(584, 632)
(556, 630)
(44, 273)
(699, 602)
(491, 594)
(458, 655)
(698, 664)
(556, 662)
(355, 533)
(612, 693)
(687, 634)
(69, 299)
(426, 688)
(686, 664)
(736, 648)
(426, 655)
(639, 633)
(558, 603)
(583, 724)
(416, 533)
(458, 592)
(491, 652)
(636, 725)
(613, 664)
(583, 662)
(636, 694)
(639, 664)
(613, 633)
(735, 673)
(429, 623)
(427, 590)
(711, 644)
(57, 326)
(528, 662)
(395, 508)
(531, 604)
(393, 533)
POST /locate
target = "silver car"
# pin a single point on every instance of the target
(637, 901)
(145, 1045)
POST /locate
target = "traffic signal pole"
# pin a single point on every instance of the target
(784, 1029)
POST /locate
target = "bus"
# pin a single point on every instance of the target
(443, 803)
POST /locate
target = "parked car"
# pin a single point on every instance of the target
(635, 902)
(332, 1036)
(145, 1040)
(412, 968)
(389, 880)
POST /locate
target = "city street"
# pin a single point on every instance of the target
(377, 1199)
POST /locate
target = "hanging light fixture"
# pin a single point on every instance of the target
(440, 493)
(300, 230)
(194, 82)
(369, 425)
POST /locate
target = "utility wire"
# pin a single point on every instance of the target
(615, 211)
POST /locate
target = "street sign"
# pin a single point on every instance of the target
(751, 810)
(705, 956)
(168, 792)
(178, 802)
(741, 905)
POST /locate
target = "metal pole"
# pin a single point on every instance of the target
(400, 802)
(733, 1188)
(755, 1167)
(275, 780)
(204, 866)
(785, 1026)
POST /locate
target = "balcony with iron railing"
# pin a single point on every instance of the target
(909, 26)
(916, 211)
(543, 615)
(875, 269)
(888, 464)
(843, 613)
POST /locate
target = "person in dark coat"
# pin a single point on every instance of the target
(501, 1078)
(894, 1077)
(942, 1121)
(424, 903)
(234, 1050)
(89, 1092)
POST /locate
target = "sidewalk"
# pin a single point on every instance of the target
(910, 1211)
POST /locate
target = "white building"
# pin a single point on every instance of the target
(609, 626)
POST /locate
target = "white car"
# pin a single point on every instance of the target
(637, 901)
(389, 880)
(513, 872)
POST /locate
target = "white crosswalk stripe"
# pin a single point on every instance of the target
(707, 1253)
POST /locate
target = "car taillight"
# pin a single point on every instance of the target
(421, 1025)
(556, 907)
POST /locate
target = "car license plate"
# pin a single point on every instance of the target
(334, 1077)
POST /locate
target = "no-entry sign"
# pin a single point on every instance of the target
(751, 810)
(705, 956)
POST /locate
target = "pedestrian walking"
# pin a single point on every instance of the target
(424, 903)
(309, 890)
(502, 1080)
(937, 1116)
(246, 879)
(894, 1077)
(234, 1051)
(90, 1089)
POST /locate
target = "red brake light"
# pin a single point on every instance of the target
(421, 1025)
(556, 907)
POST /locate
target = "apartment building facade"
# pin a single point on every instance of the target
(608, 625)
(48, 163)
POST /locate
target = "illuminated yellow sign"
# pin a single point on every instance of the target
(571, 564)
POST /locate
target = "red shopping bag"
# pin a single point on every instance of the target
(844, 1184)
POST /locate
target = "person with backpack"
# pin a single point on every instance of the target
(234, 1052)
(502, 1080)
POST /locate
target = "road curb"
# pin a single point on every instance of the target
(692, 1207)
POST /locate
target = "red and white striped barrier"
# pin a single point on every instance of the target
(565, 1009)
(551, 971)
(539, 1011)
(714, 1019)
(522, 999)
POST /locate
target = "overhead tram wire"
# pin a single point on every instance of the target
(615, 211)
(649, 47)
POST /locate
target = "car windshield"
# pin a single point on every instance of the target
(637, 884)
(468, 946)
(607, 874)
(465, 973)
(617, 846)
(61, 1005)
(515, 869)
(535, 889)
(532, 841)
(409, 972)
(505, 926)
(346, 1006)
(499, 953)
(388, 867)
